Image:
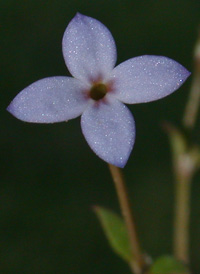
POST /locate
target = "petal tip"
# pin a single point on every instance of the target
(187, 74)
(79, 16)
(10, 108)
(13, 110)
(184, 75)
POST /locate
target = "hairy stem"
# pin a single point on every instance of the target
(138, 264)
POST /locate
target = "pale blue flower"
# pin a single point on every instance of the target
(98, 90)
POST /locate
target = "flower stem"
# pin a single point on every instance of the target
(137, 264)
(192, 105)
(185, 166)
(181, 220)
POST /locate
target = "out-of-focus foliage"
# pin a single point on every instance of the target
(168, 265)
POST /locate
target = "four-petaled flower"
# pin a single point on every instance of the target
(98, 90)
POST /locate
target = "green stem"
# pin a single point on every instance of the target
(182, 215)
(137, 264)
(192, 105)
(185, 165)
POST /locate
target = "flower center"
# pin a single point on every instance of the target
(98, 91)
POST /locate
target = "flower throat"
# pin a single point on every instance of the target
(98, 91)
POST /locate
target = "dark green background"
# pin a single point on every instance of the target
(50, 178)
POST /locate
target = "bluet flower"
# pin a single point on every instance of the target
(98, 90)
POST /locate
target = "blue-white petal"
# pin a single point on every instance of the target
(89, 49)
(147, 78)
(50, 100)
(109, 129)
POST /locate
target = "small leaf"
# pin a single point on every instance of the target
(168, 265)
(116, 233)
(177, 140)
(186, 158)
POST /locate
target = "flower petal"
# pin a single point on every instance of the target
(147, 78)
(89, 49)
(49, 100)
(109, 129)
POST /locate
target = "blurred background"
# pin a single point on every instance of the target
(50, 179)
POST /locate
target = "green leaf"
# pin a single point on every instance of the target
(115, 231)
(186, 157)
(168, 265)
(177, 140)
